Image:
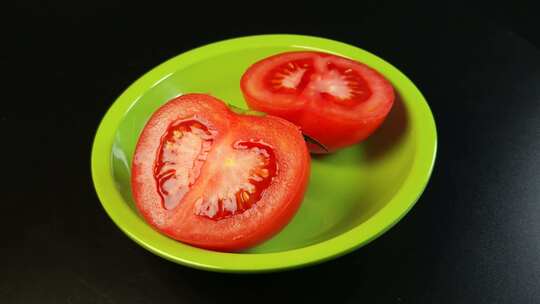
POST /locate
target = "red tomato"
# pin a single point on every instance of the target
(212, 178)
(335, 100)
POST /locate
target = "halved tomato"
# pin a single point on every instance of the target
(335, 100)
(212, 178)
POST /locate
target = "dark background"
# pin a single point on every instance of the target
(473, 237)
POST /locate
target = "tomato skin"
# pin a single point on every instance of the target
(277, 204)
(332, 122)
(335, 133)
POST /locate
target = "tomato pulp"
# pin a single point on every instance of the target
(207, 176)
(335, 100)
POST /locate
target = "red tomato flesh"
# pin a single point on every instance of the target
(335, 100)
(212, 178)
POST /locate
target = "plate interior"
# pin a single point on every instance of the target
(345, 188)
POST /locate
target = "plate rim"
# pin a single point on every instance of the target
(396, 208)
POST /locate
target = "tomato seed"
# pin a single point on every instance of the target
(177, 134)
(245, 196)
(264, 173)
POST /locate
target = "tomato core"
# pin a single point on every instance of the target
(245, 175)
(341, 85)
(241, 183)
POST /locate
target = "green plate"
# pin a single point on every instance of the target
(353, 196)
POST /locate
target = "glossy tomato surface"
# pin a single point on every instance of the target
(215, 179)
(335, 100)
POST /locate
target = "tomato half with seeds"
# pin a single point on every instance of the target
(335, 100)
(207, 176)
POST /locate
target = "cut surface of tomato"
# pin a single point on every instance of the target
(212, 178)
(335, 100)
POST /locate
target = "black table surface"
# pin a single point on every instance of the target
(473, 237)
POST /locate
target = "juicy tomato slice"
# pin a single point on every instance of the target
(212, 178)
(335, 100)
